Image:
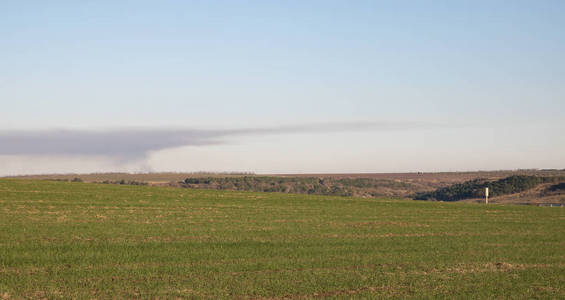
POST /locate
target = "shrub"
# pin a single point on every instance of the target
(475, 188)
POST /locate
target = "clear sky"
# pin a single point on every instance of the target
(281, 86)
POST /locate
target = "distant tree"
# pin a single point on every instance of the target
(474, 188)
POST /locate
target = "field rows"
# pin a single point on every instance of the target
(65, 240)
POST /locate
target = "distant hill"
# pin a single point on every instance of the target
(512, 185)
(360, 187)
(399, 185)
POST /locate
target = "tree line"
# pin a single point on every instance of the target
(475, 188)
(365, 187)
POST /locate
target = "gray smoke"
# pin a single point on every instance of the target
(136, 143)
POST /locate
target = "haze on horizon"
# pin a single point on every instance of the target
(281, 87)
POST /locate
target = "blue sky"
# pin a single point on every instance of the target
(483, 80)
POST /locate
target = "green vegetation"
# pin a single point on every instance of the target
(557, 187)
(123, 181)
(475, 188)
(361, 187)
(82, 240)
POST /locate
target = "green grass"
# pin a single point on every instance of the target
(81, 240)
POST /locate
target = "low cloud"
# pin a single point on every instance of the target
(134, 144)
(116, 143)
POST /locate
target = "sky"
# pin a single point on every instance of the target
(281, 86)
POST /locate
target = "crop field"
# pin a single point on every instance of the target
(86, 240)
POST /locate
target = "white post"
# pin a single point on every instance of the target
(486, 195)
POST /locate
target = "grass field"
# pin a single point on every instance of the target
(84, 240)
